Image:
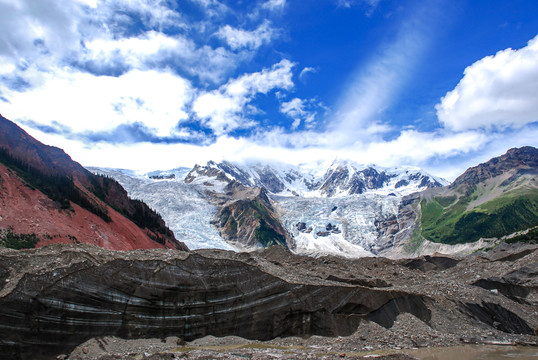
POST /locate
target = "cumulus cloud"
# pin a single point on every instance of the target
(82, 102)
(239, 38)
(222, 110)
(154, 49)
(135, 51)
(495, 93)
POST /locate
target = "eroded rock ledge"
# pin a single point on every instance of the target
(57, 297)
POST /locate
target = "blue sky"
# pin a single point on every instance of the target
(149, 84)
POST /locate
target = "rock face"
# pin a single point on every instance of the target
(46, 194)
(246, 218)
(56, 297)
(520, 161)
(250, 222)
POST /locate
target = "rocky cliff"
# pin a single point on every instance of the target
(517, 161)
(46, 195)
(56, 297)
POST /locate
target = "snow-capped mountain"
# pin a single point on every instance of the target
(326, 208)
(341, 178)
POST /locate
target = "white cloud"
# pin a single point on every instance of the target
(375, 85)
(28, 26)
(496, 92)
(84, 102)
(306, 71)
(95, 35)
(274, 4)
(371, 5)
(115, 15)
(433, 151)
(34, 28)
(296, 109)
(238, 38)
(153, 49)
(222, 110)
(135, 51)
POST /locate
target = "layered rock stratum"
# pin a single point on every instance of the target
(60, 296)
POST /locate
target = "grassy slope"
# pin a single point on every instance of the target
(446, 220)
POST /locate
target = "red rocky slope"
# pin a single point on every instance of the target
(84, 208)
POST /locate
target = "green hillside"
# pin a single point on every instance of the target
(446, 220)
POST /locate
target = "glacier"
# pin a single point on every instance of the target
(185, 208)
(342, 195)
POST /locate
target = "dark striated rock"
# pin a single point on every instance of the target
(519, 285)
(428, 263)
(498, 317)
(55, 298)
(92, 293)
(378, 283)
(412, 304)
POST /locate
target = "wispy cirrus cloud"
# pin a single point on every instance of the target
(307, 70)
(374, 86)
(370, 5)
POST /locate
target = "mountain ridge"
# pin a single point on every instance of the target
(492, 199)
(47, 194)
(369, 217)
(341, 178)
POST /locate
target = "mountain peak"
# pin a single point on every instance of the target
(318, 179)
(515, 159)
